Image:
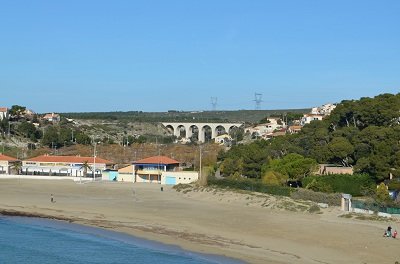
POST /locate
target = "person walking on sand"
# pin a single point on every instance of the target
(52, 198)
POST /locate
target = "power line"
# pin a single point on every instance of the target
(258, 100)
(214, 101)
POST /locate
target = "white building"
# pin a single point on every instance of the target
(223, 139)
(325, 109)
(4, 114)
(65, 166)
(265, 129)
(6, 164)
(307, 118)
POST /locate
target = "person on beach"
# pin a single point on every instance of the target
(52, 198)
(394, 234)
(388, 232)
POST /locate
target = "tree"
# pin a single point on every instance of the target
(294, 166)
(382, 194)
(51, 137)
(16, 111)
(17, 166)
(85, 166)
(274, 178)
(341, 150)
(27, 129)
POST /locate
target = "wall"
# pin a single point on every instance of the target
(180, 176)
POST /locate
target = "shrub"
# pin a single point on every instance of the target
(318, 197)
(340, 183)
(274, 178)
(319, 186)
(314, 209)
(250, 185)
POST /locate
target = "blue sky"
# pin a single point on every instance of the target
(76, 56)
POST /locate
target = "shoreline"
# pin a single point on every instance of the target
(44, 220)
(227, 224)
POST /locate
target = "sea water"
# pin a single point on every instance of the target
(41, 241)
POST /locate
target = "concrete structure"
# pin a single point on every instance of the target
(187, 130)
(6, 164)
(4, 114)
(345, 204)
(177, 177)
(65, 166)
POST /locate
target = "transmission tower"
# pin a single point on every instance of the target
(214, 101)
(258, 100)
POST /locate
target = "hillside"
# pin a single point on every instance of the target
(245, 116)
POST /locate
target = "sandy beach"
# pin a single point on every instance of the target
(253, 228)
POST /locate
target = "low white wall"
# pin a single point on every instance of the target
(38, 177)
(180, 176)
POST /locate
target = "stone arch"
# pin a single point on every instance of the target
(170, 129)
(181, 131)
(205, 133)
(193, 132)
(220, 130)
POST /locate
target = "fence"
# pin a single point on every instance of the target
(374, 207)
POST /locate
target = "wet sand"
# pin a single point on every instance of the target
(229, 224)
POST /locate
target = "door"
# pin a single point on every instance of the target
(170, 180)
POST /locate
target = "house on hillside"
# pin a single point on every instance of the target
(65, 166)
(224, 139)
(294, 129)
(325, 169)
(52, 117)
(161, 170)
(307, 118)
(7, 164)
(4, 113)
(264, 130)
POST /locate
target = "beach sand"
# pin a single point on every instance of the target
(239, 225)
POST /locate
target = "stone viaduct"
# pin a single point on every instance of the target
(188, 129)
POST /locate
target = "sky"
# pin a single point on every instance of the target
(154, 56)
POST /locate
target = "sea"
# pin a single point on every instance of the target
(43, 241)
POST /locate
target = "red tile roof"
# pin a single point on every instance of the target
(68, 159)
(3, 109)
(157, 160)
(7, 158)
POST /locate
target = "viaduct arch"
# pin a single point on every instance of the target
(216, 129)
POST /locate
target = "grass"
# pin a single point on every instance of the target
(373, 217)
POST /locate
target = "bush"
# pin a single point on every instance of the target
(318, 197)
(250, 185)
(340, 183)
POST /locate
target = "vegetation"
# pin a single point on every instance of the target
(361, 133)
(356, 185)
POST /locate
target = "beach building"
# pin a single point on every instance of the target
(7, 163)
(161, 170)
(65, 166)
(124, 174)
